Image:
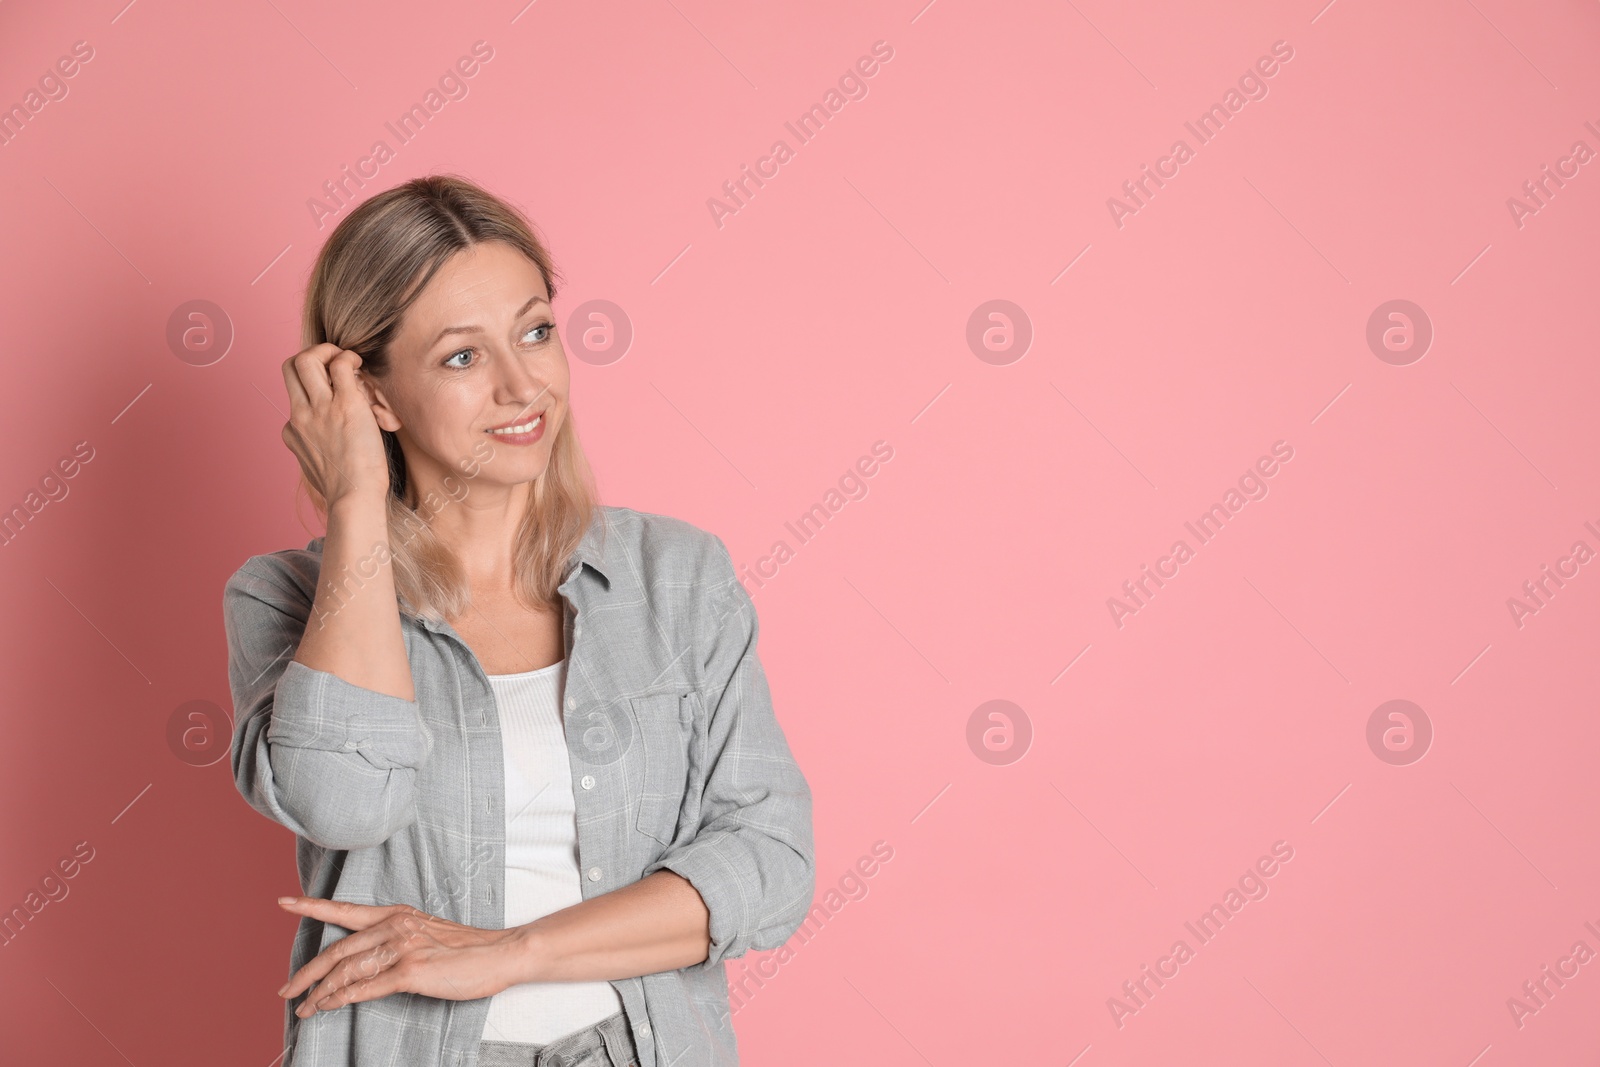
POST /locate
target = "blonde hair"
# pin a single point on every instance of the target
(370, 270)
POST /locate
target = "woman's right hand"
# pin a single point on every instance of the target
(332, 429)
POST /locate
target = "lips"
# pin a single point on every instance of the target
(525, 422)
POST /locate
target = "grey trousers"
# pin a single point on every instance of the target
(608, 1043)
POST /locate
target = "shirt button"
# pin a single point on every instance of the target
(587, 781)
(349, 745)
(644, 1029)
(594, 874)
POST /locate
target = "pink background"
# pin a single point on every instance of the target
(1163, 757)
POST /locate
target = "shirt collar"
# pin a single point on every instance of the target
(593, 549)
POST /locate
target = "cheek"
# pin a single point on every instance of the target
(446, 416)
(558, 369)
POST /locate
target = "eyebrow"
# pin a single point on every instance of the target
(448, 330)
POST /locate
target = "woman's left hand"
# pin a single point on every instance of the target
(395, 948)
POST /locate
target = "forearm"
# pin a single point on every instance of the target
(354, 629)
(658, 923)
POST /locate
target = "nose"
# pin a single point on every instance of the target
(519, 384)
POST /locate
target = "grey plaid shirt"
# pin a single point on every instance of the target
(677, 762)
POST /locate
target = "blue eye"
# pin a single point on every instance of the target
(546, 326)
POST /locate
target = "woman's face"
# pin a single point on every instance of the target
(477, 351)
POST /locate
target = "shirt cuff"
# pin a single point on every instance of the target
(318, 709)
(704, 862)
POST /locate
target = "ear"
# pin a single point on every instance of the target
(387, 419)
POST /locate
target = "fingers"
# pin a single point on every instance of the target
(389, 980)
(298, 373)
(298, 401)
(366, 947)
(339, 913)
(362, 974)
(342, 376)
(306, 373)
(357, 971)
(310, 377)
(372, 933)
(345, 913)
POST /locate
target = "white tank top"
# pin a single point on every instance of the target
(541, 855)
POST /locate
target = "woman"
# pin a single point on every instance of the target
(524, 740)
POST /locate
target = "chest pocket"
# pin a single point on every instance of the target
(667, 729)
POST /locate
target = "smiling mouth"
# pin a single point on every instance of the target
(519, 428)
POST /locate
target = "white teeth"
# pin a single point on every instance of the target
(526, 427)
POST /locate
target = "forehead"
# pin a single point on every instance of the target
(489, 278)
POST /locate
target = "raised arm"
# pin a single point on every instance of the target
(328, 735)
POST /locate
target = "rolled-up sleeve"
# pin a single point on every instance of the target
(753, 859)
(333, 761)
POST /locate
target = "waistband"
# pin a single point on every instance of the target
(608, 1043)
